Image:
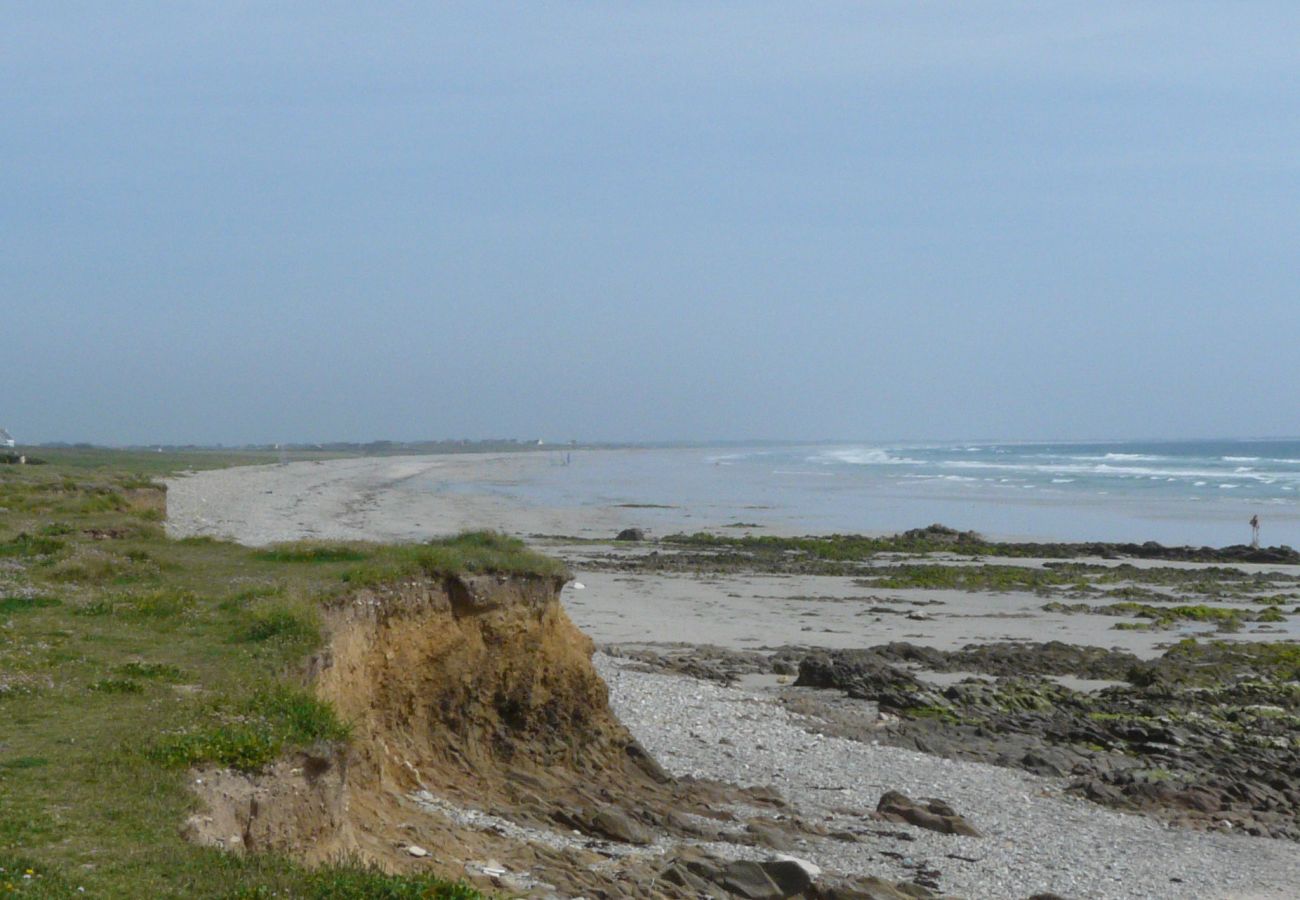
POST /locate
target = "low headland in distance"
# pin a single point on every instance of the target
(354, 674)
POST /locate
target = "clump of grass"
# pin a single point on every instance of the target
(160, 671)
(281, 623)
(474, 552)
(356, 880)
(91, 566)
(241, 600)
(245, 747)
(303, 718)
(21, 876)
(24, 762)
(200, 540)
(100, 607)
(25, 604)
(31, 545)
(159, 604)
(256, 732)
(311, 552)
(103, 500)
(117, 686)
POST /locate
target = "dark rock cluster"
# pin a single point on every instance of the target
(1207, 735)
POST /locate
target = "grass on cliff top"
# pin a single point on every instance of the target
(126, 657)
(476, 552)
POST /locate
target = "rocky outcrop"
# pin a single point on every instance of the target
(931, 814)
(1203, 735)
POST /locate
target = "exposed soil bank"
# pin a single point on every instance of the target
(474, 703)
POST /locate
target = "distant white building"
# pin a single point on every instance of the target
(6, 439)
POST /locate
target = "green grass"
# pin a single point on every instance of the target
(117, 686)
(251, 734)
(309, 552)
(23, 604)
(476, 552)
(126, 657)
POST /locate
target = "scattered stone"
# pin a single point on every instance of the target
(417, 851)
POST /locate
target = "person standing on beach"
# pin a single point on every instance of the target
(1254, 531)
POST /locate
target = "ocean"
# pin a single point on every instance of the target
(1185, 492)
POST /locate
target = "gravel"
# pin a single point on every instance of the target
(1036, 840)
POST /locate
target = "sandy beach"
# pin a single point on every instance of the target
(753, 726)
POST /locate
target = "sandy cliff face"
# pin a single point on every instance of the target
(468, 683)
(464, 693)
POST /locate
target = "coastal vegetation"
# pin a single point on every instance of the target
(941, 539)
(938, 558)
(127, 657)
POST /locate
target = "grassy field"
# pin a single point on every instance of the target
(126, 657)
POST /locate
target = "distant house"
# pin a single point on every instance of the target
(6, 439)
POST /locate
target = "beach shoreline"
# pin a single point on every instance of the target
(718, 632)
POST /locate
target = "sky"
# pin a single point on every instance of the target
(253, 223)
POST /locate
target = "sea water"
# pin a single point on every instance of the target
(1186, 492)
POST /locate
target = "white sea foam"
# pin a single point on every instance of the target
(1240, 458)
(864, 456)
(1122, 457)
(1105, 469)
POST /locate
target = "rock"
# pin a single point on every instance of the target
(866, 888)
(746, 878)
(791, 874)
(931, 814)
(630, 534)
(773, 879)
(864, 675)
(942, 534)
(814, 871)
(767, 836)
(610, 823)
(416, 851)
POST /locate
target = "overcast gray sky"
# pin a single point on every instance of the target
(255, 222)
